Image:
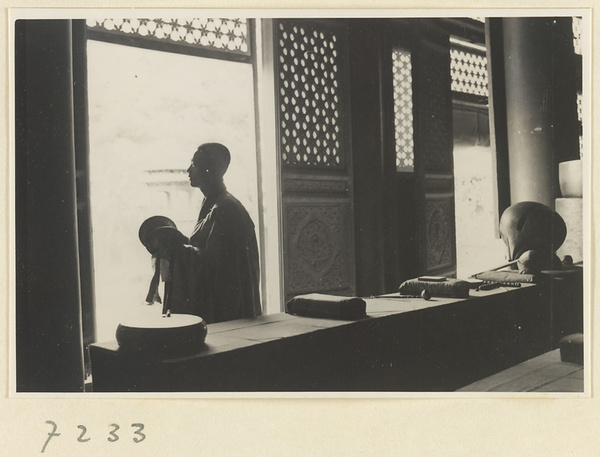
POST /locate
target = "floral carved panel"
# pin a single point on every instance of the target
(439, 233)
(317, 252)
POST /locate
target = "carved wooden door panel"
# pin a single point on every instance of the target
(433, 155)
(314, 148)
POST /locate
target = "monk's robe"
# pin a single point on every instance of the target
(216, 276)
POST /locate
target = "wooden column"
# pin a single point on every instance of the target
(48, 306)
(541, 105)
(84, 217)
(497, 102)
(434, 163)
(368, 155)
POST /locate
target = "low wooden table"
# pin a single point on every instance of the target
(545, 373)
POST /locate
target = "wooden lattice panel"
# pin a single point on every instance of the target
(309, 96)
(403, 109)
(469, 71)
(222, 34)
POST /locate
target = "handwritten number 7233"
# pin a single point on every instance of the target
(138, 435)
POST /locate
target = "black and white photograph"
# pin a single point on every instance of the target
(299, 229)
(303, 204)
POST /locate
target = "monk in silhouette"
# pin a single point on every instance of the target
(216, 273)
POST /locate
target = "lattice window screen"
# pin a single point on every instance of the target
(580, 119)
(222, 34)
(403, 109)
(577, 48)
(469, 71)
(577, 35)
(309, 96)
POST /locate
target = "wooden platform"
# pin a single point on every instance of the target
(545, 373)
(403, 345)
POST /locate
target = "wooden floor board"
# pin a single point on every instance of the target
(545, 373)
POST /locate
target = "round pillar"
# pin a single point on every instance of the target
(540, 104)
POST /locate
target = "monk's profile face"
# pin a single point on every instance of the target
(201, 173)
(209, 164)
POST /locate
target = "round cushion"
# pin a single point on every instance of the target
(175, 335)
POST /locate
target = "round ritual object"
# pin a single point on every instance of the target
(170, 335)
(530, 225)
